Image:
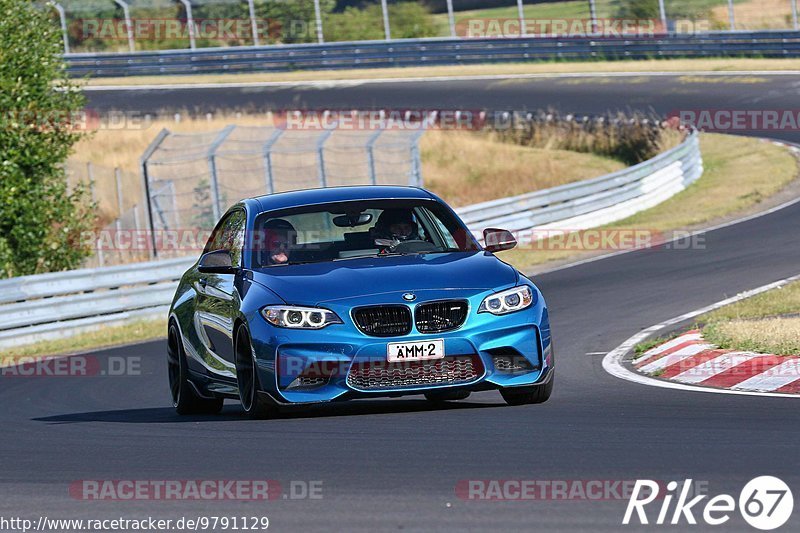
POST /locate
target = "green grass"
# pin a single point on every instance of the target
(555, 10)
(777, 302)
(106, 337)
(641, 348)
(766, 323)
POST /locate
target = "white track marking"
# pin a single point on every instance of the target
(715, 366)
(613, 361)
(682, 237)
(484, 77)
(677, 357)
(668, 346)
(774, 378)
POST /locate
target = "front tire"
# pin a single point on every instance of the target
(255, 403)
(528, 395)
(184, 398)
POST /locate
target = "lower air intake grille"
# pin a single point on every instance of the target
(511, 363)
(384, 375)
(435, 317)
(384, 320)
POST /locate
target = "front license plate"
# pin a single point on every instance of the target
(415, 351)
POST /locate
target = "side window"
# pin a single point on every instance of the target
(229, 235)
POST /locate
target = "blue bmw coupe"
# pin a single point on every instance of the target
(353, 292)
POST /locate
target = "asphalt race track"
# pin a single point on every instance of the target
(394, 464)
(594, 94)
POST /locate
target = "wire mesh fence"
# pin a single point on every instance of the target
(192, 179)
(141, 25)
(120, 213)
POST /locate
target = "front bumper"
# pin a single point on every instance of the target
(297, 366)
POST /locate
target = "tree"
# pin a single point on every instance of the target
(41, 220)
(637, 9)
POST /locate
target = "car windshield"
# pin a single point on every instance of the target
(347, 230)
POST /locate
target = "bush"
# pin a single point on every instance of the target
(41, 221)
(408, 20)
(637, 9)
(628, 138)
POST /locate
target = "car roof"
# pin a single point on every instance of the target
(286, 200)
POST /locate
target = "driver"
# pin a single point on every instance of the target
(397, 225)
(279, 237)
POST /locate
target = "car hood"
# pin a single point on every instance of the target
(315, 283)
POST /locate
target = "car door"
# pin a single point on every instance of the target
(216, 300)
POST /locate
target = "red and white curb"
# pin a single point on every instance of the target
(617, 362)
(689, 359)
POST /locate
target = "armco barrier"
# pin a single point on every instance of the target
(61, 304)
(421, 52)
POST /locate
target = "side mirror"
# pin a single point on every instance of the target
(498, 240)
(217, 262)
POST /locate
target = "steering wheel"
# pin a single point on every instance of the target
(415, 246)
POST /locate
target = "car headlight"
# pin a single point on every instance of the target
(293, 317)
(507, 301)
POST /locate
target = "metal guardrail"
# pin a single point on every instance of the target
(597, 201)
(439, 51)
(61, 304)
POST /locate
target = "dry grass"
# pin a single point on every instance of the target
(462, 167)
(740, 172)
(756, 15)
(765, 323)
(590, 67)
(777, 302)
(779, 336)
(465, 168)
(109, 148)
(105, 337)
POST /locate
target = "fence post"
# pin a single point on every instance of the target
(212, 167)
(662, 11)
(318, 21)
(323, 179)
(593, 15)
(62, 15)
(143, 161)
(373, 175)
(187, 5)
(731, 15)
(415, 179)
(794, 14)
(521, 15)
(253, 25)
(451, 19)
(387, 31)
(267, 150)
(126, 12)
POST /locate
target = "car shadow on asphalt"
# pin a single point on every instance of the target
(233, 412)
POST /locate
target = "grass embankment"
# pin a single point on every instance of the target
(139, 331)
(766, 323)
(740, 173)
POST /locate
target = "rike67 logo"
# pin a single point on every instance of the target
(765, 503)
